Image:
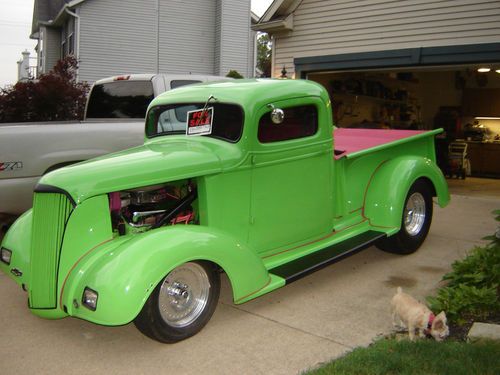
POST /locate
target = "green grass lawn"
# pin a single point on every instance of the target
(389, 356)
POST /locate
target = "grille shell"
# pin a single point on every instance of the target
(51, 212)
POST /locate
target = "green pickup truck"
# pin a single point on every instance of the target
(248, 178)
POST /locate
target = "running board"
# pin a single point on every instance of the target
(304, 266)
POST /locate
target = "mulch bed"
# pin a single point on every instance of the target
(459, 332)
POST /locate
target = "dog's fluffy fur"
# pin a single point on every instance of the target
(415, 316)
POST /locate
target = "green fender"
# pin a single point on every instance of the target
(126, 270)
(389, 185)
(18, 240)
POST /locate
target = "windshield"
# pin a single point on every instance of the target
(218, 120)
(120, 99)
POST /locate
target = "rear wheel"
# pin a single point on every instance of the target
(181, 304)
(415, 223)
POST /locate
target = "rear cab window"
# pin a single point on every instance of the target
(299, 122)
(120, 99)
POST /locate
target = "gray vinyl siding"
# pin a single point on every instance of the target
(116, 39)
(323, 28)
(187, 36)
(234, 37)
(167, 36)
(52, 47)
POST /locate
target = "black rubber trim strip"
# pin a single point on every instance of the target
(41, 188)
(304, 266)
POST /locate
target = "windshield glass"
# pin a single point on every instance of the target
(120, 99)
(218, 120)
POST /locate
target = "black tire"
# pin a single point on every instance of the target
(161, 317)
(414, 231)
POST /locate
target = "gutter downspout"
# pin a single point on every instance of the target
(77, 47)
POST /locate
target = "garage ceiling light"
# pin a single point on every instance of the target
(483, 70)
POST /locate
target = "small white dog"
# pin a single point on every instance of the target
(415, 315)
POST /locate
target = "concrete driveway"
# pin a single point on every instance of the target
(308, 322)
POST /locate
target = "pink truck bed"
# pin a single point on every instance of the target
(348, 141)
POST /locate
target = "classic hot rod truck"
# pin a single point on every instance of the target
(246, 177)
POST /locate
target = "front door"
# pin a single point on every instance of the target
(291, 176)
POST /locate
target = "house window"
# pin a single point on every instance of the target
(67, 38)
(299, 122)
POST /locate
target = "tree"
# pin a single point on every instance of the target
(264, 47)
(54, 96)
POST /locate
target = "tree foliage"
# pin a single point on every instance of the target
(264, 46)
(54, 96)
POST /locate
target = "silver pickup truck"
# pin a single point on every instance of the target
(114, 120)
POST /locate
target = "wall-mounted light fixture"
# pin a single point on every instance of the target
(283, 72)
(484, 70)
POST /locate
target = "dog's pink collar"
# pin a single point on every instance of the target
(429, 323)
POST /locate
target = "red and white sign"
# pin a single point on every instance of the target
(199, 122)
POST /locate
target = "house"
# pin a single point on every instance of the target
(400, 64)
(111, 37)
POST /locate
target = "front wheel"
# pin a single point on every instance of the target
(181, 304)
(415, 223)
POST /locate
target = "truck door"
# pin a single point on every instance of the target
(291, 169)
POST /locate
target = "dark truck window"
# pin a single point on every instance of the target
(227, 120)
(182, 82)
(120, 99)
(299, 122)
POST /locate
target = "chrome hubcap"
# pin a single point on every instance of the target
(183, 295)
(414, 216)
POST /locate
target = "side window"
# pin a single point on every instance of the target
(299, 122)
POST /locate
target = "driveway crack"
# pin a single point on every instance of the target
(287, 325)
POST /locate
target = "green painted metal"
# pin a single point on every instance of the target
(18, 240)
(259, 205)
(384, 207)
(50, 214)
(124, 272)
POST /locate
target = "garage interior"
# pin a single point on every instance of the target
(463, 100)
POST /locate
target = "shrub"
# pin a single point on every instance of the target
(234, 74)
(473, 287)
(54, 96)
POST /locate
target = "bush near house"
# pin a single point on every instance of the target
(234, 74)
(472, 292)
(54, 96)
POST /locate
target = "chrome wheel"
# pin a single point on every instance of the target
(183, 295)
(414, 215)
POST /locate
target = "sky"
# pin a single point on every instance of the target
(15, 27)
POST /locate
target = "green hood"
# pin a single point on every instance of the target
(153, 163)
